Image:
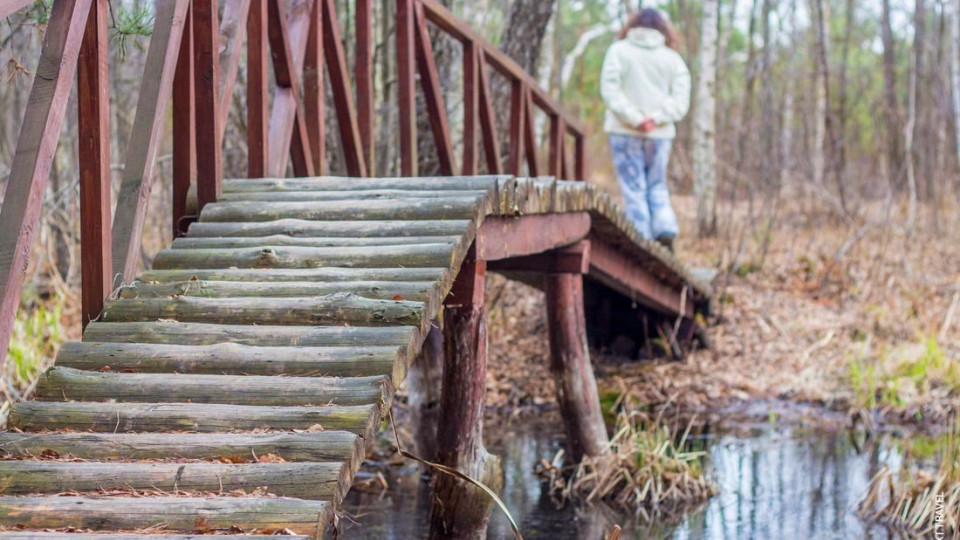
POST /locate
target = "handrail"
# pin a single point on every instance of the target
(193, 61)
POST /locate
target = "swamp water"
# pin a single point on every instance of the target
(775, 482)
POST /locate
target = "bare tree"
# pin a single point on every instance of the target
(704, 124)
(891, 111)
(912, 106)
(955, 69)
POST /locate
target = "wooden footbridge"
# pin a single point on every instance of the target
(233, 387)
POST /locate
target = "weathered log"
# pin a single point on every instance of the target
(316, 481)
(324, 446)
(229, 359)
(570, 365)
(337, 183)
(302, 228)
(171, 513)
(203, 242)
(411, 209)
(70, 384)
(295, 274)
(353, 195)
(461, 510)
(266, 336)
(417, 291)
(345, 309)
(35, 535)
(198, 417)
(410, 256)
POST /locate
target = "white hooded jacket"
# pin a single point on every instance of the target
(643, 78)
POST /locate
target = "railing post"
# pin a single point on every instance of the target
(580, 158)
(258, 91)
(206, 37)
(93, 130)
(23, 198)
(557, 130)
(518, 104)
(363, 77)
(185, 126)
(471, 99)
(406, 91)
(313, 90)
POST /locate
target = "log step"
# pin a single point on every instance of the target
(340, 275)
(338, 308)
(350, 210)
(341, 183)
(432, 255)
(229, 359)
(59, 383)
(174, 332)
(311, 518)
(315, 481)
(192, 417)
(227, 241)
(35, 535)
(324, 446)
(418, 291)
(304, 228)
(357, 195)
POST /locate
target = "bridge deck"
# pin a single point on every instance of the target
(236, 383)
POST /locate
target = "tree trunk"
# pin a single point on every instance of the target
(821, 88)
(522, 40)
(913, 106)
(955, 70)
(704, 134)
(893, 151)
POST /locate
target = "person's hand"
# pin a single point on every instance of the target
(646, 126)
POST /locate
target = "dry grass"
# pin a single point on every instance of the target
(919, 504)
(648, 468)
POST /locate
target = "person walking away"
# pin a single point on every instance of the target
(645, 85)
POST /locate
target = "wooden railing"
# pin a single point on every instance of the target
(193, 61)
(414, 49)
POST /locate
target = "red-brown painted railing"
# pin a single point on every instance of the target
(193, 60)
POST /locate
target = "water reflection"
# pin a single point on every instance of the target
(773, 484)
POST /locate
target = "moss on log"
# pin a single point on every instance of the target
(171, 513)
(418, 291)
(317, 481)
(324, 446)
(265, 335)
(229, 359)
(194, 417)
(339, 308)
(71, 384)
(303, 228)
(408, 256)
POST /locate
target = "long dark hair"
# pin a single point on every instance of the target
(653, 19)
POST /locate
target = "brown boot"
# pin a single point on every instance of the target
(666, 241)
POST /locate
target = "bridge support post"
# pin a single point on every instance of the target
(424, 379)
(461, 510)
(570, 357)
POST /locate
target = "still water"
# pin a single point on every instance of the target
(775, 483)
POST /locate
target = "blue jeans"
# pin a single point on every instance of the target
(641, 166)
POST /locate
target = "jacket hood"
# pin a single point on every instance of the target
(646, 37)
